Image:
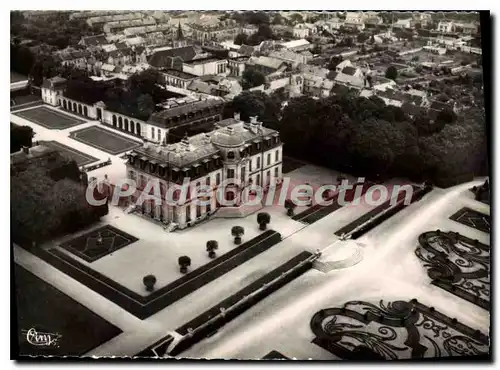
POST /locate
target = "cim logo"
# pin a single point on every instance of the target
(41, 339)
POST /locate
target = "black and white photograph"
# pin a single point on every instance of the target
(251, 184)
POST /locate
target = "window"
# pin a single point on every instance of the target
(131, 175)
(277, 156)
(276, 171)
(268, 176)
(217, 179)
(258, 162)
(159, 134)
(258, 179)
(230, 173)
(268, 159)
(243, 173)
(230, 155)
(208, 181)
(250, 165)
(152, 133)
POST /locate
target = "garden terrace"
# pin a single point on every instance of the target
(317, 211)
(50, 118)
(46, 309)
(104, 140)
(145, 306)
(211, 320)
(380, 214)
(80, 158)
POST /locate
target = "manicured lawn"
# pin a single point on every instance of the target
(49, 118)
(104, 140)
(98, 243)
(45, 309)
(80, 158)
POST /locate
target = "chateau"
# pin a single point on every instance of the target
(244, 152)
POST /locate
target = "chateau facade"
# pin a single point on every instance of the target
(236, 154)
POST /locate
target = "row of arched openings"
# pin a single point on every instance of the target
(125, 125)
(76, 108)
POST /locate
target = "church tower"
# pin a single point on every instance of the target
(179, 40)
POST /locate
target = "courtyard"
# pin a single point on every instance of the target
(50, 118)
(103, 139)
(80, 158)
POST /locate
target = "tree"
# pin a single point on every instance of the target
(362, 37)
(259, 104)
(278, 19)
(391, 73)
(212, 245)
(296, 18)
(252, 78)
(20, 136)
(145, 105)
(334, 62)
(241, 38)
(446, 116)
(149, 282)
(237, 232)
(263, 218)
(184, 263)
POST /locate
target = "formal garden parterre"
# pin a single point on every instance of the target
(50, 118)
(105, 140)
(98, 243)
(79, 157)
(472, 218)
(144, 306)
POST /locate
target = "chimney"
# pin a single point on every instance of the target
(26, 149)
(207, 138)
(237, 116)
(254, 125)
(230, 130)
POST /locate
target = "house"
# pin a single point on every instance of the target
(297, 45)
(446, 27)
(374, 20)
(317, 86)
(97, 41)
(177, 78)
(354, 20)
(334, 23)
(52, 88)
(249, 29)
(341, 65)
(467, 28)
(350, 75)
(403, 23)
(303, 30)
(172, 58)
(246, 50)
(422, 18)
(207, 66)
(236, 66)
(266, 65)
(291, 56)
